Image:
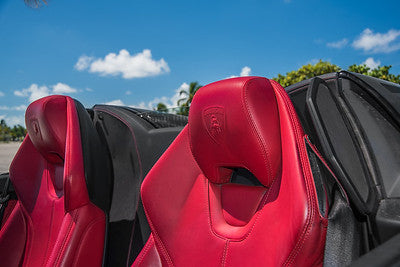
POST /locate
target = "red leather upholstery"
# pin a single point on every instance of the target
(223, 135)
(54, 223)
(198, 218)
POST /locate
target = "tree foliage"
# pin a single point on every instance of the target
(381, 72)
(323, 67)
(306, 72)
(16, 133)
(303, 73)
(183, 104)
(186, 100)
(161, 107)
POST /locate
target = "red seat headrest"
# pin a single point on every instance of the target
(235, 123)
(46, 123)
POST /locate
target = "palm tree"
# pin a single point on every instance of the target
(184, 102)
(161, 107)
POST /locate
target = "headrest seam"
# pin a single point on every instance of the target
(191, 146)
(265, 155)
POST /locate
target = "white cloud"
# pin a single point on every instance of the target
(35, 92)
(89, 89)
(15, 108)
(174, 99)
(128, 66)
(13, 120)
(1, 94)
(62, 88)
(378, 42)
(83, 62)
(170, 102)
(338, 44)
(245, 71)
(371, 63)
(116, 102)
(19, 108)
(153, 103)
(128, 92)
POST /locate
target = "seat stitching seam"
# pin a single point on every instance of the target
(224, 255)
(262, 210)
(51, 227)
(29, 231)
(320, 157)
(85, 231)
(163, 249)
(59, 254)
(255, 128)
(146, 250)
(305, 234)
(244, 237)
(7, 222)
(307, 226)
(208, 208)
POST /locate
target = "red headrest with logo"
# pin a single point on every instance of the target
(53, 128)
(235, 123)
(46, 122)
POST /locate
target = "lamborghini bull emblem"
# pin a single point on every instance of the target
(214, 120)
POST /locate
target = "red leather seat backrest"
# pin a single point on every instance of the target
(199, 218)
(54, 222)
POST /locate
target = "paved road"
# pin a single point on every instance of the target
(7, 152)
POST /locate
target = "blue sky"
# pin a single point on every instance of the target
(140, 52)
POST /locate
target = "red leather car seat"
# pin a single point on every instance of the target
(57, 221)
(198, 217)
